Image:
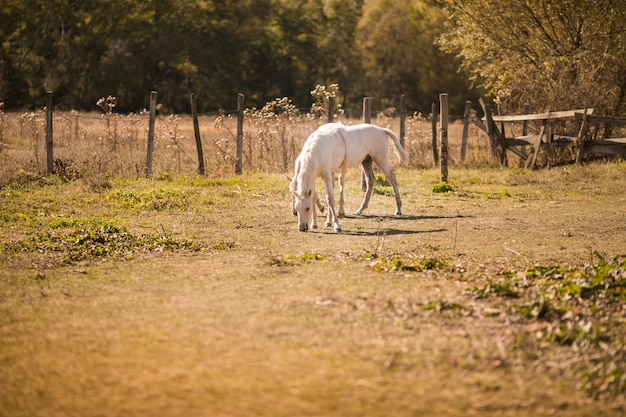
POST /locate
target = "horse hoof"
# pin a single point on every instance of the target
(341, 215)
(398, 213)
(358, 212)
(313, 226)
(338, 229)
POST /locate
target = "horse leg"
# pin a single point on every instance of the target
(330, 200)
(368, 172)
(391, 177)
(342, 179)
(319, 205)
(314, 214)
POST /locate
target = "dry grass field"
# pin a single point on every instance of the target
(501, 293)
(92, 144)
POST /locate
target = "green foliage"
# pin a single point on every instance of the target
(400, 55)
(290, 260)
(104, 241)
(558, 54)
(497, 195)
(397, 264)
(442, 187)
(158, 199)
(503, 289)
(576, 307)
(123, 49)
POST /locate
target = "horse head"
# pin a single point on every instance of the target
(303, 208)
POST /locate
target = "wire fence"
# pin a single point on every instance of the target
(108, 143)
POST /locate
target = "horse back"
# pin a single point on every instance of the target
(365, 140)
(325, 149)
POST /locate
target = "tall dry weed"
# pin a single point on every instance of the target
(112, 144)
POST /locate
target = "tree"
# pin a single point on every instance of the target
(400, 55)
(340, 60)
(84, 50)
(549, 53)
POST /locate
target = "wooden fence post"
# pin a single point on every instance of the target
(367, 118)
(367, 109)
(153, 103)
(238, 164)
(49, 143)
(331, 105)
(433, 111)
(524, 133)
(443, 102)
(466, 118)
(196, 133)
(402, 120)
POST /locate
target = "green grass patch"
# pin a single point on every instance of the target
(290, 260)
(579, 307)
(442, 188)
(397, 264)
(102, 241)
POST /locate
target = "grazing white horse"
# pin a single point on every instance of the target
(366, 144)
(322, 154)
(335, 146)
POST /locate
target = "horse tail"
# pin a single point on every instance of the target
(399, 151)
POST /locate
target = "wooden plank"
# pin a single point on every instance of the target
(466, 117)
(492, 130)
(611, 148)
(609, 141)
(532, 158)
(613, 140)
(518, 152)
(539, 116)
(549, 147)
(580, 139)
(479, 124)
(524, 133)
(521, 140)
(607, 119)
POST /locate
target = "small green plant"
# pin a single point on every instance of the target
(288, 260)
(442, 187)
(496, 196)
(441, 305)
(224, 245)
(504, 289)
(381, 180)
(397, 264)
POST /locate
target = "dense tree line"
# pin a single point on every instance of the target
(83, 50)
(548, 53)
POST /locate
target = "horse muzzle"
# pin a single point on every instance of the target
(303, 227)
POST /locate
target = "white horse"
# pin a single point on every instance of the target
(322, 154)
(366, 144)
(335, 146)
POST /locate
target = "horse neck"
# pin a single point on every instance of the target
(306, 176)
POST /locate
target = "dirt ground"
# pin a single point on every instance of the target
(259, 319)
